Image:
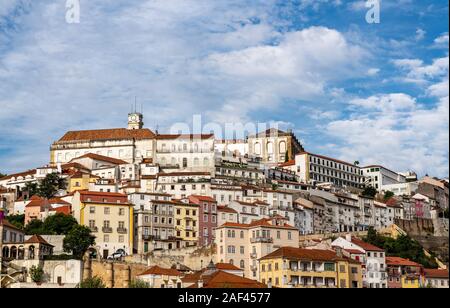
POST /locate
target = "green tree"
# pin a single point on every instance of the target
(50, 185)
(37, 273)
(92, 283)
(78, 240)
(17, 220)
(286, 157)
(32, 188)
(35, 226)
(356, 163)
(369, 192)
(59, 224)
(139, 284)
(388, 195)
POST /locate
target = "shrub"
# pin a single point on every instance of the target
(92, 283)
(139, 284)
(37, 273)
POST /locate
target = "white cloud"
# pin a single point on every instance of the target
(442, 41)
(418, 72)
(420, 34)
(373, 71)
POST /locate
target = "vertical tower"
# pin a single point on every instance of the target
(135, 120)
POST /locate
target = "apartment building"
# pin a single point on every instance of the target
(237, 173)
(290, 267)
(244, 244)
(304, 216)
(378, 176)
(153, 221)
(404, 273)
(188, 153)
(248, 212)
(207, 218)
(436, 278)
(183, 184)
(374, 261)
(186, 218)
(110, 218)
(226, 214)
(224, 194)
(314, 168)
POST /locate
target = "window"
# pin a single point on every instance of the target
(106, 210)
(121, 239)
(354, 270)
(121, 212)
(106, 238)
(92, 209)
(242, 250)
(342, 268)
(242, 264)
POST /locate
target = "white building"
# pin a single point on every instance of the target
(378, 176)
(314, 168)
(374, 274)
(131, 144)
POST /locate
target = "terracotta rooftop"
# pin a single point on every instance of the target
(37, 239)
(365, 246)
(306, 254)
(401, 262)
(38, 201)
(107, 134)
(227, 267)
(288, 164)
(102, 158)
(184, 136)
(265, 222)
(436, 273)
(223, 280)
(6, 223)
(156, 270)
(203, 198)
(225, 209)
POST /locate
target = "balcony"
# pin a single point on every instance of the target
(261, 240)
(254, 255)
(189, 228)
(253, 268)
(107, 230)
(122, 230)
(94, 229)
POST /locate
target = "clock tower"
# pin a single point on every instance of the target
(135, 120)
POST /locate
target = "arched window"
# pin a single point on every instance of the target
(242, 264)
(282, 147)
(173, 161)
(206, 161)
(257, 148)
(231, 261)
(270, 148)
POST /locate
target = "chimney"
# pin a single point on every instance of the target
(348, 237)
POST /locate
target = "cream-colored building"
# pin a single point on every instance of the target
(131, 144)
(110, 218)
(274, 146)
(243, 244)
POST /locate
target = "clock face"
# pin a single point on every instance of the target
(133, 118)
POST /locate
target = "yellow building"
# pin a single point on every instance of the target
(186, 222)
(80, 181)
(290, 267)
(110, 218)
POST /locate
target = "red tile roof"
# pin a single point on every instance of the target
(365, 246)
(156, 270)
(102, 158)
(107, 134)
(288, 164)
(67, 209)
(225, 209)
(37, 201)
(184, 136)
(306, 254)
(265, 222)
(436, 273)
(7, 224)
(37, 239)
(401, 262)
(224, 280)
(354, 251)
(99, 193)
(184, 173)
(203, 198)
(227, 267)
(16, 175)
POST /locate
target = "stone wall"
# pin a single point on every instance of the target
(416, 227)
(115, 274)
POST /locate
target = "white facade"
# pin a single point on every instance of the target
(379, 176)
(313, 168)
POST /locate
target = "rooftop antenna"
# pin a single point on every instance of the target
(135, 104)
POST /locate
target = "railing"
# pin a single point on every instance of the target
(261, 240)
(254, 255)
(94, 229)
(122, 230)
(107, 230)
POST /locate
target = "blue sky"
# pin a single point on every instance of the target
(377, 93)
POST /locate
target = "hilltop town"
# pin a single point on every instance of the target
(130, 207)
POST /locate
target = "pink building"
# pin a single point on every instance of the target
(207, 220)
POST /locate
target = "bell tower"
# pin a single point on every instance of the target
(135, 118)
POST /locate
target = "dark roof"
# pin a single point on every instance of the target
(37, 239)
